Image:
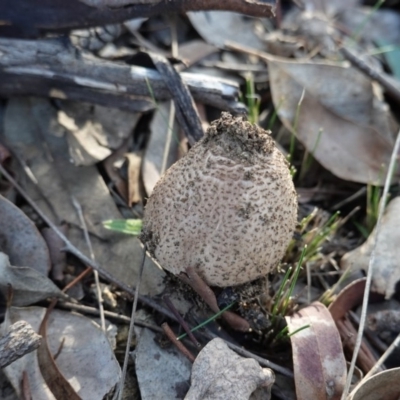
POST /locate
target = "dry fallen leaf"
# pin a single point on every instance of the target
(85, 358)
(350, 297)
(316, 101)
(20, 239)
(386, 272)
(216, 28)
(28, 285)
(329, 7)
(385, 385)
(94, 131)
(318, 359)
(35, 139)
(376, 24)
(219, 373)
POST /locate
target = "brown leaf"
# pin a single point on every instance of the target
(318, 359)
(348, 298)
(55, 380)
(334, 117)
(384, 385)
(351, 296)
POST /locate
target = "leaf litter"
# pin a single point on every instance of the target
(336, 123)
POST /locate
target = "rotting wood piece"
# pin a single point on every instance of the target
(54, 68)
(19, 340)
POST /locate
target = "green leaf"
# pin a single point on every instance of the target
(128, 226)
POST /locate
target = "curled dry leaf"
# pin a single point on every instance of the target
(219, 373)
(318, 359)
(386, 273)
(330, 109)
(28, 285)
(20, 239)
(85, 358)
(384, 385)
(350, 297)
(53, 377)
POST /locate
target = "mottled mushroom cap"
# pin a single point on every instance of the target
(228, 208)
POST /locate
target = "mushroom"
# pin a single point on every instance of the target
(227, 210)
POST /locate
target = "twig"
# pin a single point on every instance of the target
(179, 345)
(19, 340)
(181, 321)
(34, 17)
(186, 112)
(78, 208)
(131, 326)
(371, 265)
(109, 314)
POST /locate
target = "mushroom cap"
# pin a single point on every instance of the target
(228, 208)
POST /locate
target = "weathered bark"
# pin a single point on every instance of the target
(18, 341)
(33, 18)
(54, 68)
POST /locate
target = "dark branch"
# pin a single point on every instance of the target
(33, 18)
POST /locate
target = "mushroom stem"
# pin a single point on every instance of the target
(193, 279)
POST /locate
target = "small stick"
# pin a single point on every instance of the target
(96, 274)
(19, 340)
(180, 346)
(109, 314)
(182, 322)
(131, 326)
